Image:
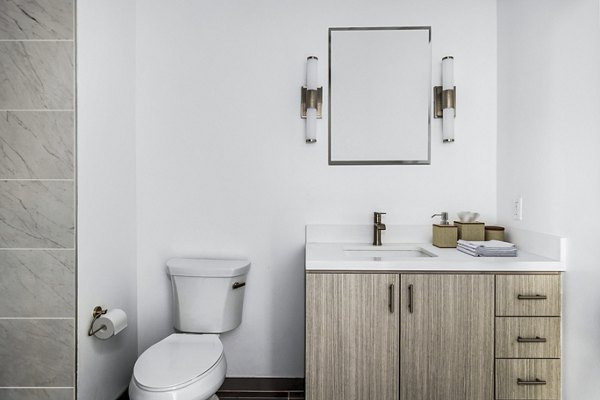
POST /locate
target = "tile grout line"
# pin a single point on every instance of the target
(27, 318)
(37, 109)
(36, 40)
(38, 179)
(37, 248)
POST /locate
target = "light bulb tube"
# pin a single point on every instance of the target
(448, 125)
(448, 73)
(311, 73)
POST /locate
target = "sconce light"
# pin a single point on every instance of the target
(311, 100)
(445, 99)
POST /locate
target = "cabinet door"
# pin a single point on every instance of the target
(447, 337)
(352, 336)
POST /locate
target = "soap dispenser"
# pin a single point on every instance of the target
(443, 217)
(444, 234)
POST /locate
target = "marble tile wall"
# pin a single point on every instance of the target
(37, 200)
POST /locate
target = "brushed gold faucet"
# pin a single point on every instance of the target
(377, 228)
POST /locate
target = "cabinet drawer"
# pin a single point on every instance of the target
(528, 379)
(528, 295)
(522, 337)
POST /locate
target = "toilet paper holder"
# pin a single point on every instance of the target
(97, 312)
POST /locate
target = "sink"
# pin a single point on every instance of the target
(384, 253)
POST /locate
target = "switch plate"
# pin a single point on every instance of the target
(518, 209)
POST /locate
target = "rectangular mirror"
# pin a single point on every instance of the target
(379, 95)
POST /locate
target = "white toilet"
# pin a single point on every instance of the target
(208, 298)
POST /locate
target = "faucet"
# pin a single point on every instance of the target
(377, 228)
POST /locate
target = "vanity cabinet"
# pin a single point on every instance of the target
(433, 336)
(447, 337)
(528, 344)
(352, 331)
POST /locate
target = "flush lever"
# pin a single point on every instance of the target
(238, 285)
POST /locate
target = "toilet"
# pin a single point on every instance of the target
(208, 299)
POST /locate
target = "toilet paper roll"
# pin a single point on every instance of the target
(113, 321)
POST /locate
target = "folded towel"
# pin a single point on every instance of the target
(467, 251)
(488, 244)
(489, 248)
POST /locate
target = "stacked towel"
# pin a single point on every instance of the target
(489, 248)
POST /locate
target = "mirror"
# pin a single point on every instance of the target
(379, 95)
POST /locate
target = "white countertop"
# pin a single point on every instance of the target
(332, 255)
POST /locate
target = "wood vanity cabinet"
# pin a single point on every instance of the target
(352, 331)
(528, 344)
(432, 336)
(447, 337)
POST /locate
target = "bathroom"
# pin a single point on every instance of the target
(189, 144)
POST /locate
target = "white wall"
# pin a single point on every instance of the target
(223, 167)
(548, 141)
(106, 192)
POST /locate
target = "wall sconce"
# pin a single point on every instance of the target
(445, 99)
(311, 100)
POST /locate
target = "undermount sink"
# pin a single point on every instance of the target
(385, 253)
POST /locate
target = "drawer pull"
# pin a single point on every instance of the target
(532, 297)
(536, 339)
(536, 382)
(410, 299)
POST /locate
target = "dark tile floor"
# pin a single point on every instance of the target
(262, 388)
(258, 389)
(251, 396)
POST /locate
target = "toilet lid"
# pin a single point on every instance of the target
(177, 360)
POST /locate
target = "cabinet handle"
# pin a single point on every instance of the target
(536, 339)
(410, 299)
(391, 298)
(530, 383)
(532, 297)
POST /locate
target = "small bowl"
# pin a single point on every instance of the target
(468, 216)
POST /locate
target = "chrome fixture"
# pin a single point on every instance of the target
(311, 100)
(443, 217)
(377, 228)
(445, 99)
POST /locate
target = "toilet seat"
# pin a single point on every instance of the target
(181, 363)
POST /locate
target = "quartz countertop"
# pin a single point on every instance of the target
(333, 255)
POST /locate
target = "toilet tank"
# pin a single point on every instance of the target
(208, 295)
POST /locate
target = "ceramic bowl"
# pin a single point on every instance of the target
(468, 216)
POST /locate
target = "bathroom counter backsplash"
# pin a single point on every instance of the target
(347, 247)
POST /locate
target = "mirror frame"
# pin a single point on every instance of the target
(379, 162)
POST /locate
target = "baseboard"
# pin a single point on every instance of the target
(271, 388)
(263, 388)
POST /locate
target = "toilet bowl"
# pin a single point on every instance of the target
(180, 367)
(190, 365)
